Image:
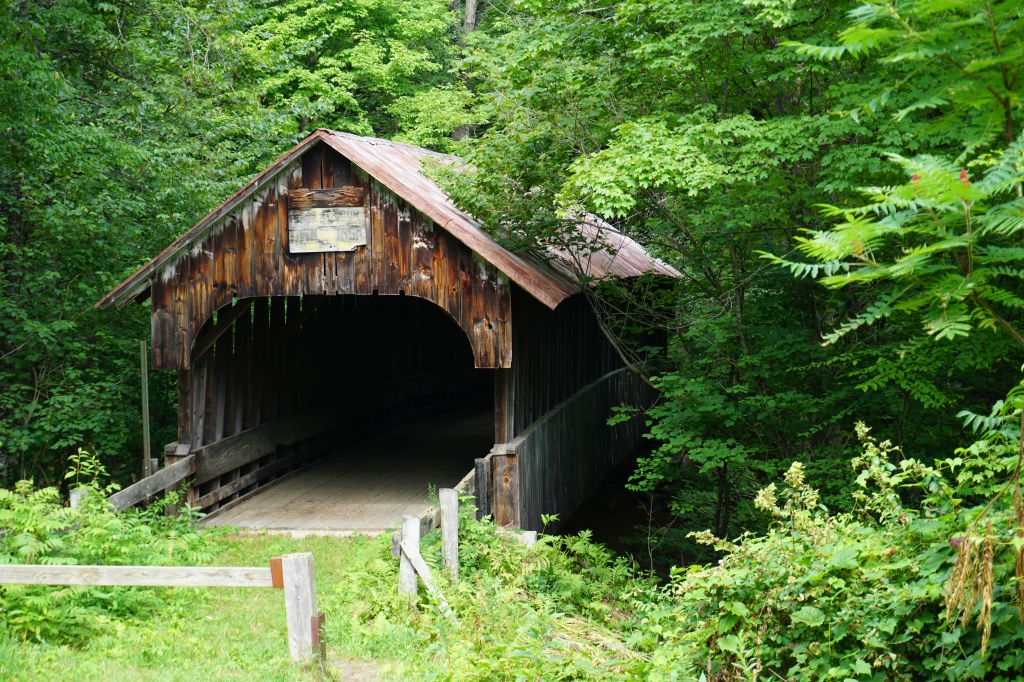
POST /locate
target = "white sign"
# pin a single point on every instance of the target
(311, 230)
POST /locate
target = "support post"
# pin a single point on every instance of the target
(300, 605)
(482, 478)
(406, 571)
(76, 496)
(146, 468)
(504, 405)
(506, 490)
(448, 500)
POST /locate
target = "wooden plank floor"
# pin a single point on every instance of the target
(370, 486)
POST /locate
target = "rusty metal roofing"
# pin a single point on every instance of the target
(547, 277)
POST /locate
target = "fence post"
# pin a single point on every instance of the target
(300, 604)
(76, 495)
(406, 571)
(143, 351)
(448, 500)
(482, 483)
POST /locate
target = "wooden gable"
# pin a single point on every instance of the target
(406, 253)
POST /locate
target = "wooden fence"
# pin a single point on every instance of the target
(292, 572)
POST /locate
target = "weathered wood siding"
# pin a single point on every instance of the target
(555, 353)
(561, 458)
(246, 255)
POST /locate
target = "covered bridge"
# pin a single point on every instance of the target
(343, 336)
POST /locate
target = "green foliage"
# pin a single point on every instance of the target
(855, 596)
(367, 66)
(120, 125)
(957, 60)
(36, 528)
(552, 611)
(710, 133)
(946, 244)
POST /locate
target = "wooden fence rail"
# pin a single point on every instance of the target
(165, 478)
(292, 572)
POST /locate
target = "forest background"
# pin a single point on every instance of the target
(702, 129)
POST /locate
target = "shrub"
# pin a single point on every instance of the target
(554, 611)
(36, 528)
(851, 597)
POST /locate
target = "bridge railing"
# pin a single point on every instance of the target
(558, 461)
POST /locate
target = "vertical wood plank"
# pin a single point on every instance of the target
(268, 244)
(482, 476)
(506, 490)
(199, 400)
(377, 203)
(245, 244)
(448, 502)
(161, 324)
(406, 571)
(300, 603)
(225, 265)
(184, 406)
(181, 333)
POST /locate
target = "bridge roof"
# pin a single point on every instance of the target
(548, 277)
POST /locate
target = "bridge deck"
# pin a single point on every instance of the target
(368, 487)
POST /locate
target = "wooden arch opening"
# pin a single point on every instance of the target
(321, 388)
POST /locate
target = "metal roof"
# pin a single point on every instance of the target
(547, 277)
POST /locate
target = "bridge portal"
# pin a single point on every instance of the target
(344, 335)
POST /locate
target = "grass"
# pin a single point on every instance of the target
(550, 612)
(208, 634)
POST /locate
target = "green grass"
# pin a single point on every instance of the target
(550, 612)
(206, 634)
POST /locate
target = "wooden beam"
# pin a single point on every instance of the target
(406, 570)
(152, 576)
(326, 198)
(506, 490)
(151, 485)
(482, 486)
(224, 322)
(309, 304)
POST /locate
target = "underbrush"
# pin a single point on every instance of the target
(37, 528)
(922, 582)
(555, 611)
(895, 592)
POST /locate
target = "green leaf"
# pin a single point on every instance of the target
(808, 615)
(726, 623)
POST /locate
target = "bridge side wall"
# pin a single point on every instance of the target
(555, 354)
(561, 458)
(554, 445)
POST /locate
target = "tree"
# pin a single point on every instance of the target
(694, 128)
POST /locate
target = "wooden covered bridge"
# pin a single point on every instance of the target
(344, 337)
